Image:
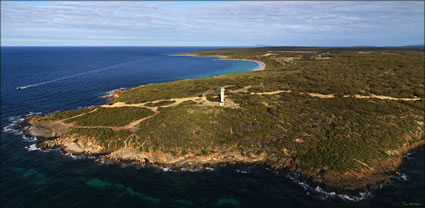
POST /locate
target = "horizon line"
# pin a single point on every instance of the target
(255, 46)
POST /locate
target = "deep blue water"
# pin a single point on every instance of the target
(61, 78)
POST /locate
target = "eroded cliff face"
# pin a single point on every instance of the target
(75, 145)
(81, 145)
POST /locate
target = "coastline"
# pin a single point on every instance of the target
(339, 183)
(261, 65)
(163, 159)
(114, 93)
(352, 183)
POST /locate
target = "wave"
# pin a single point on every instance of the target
(166, 169)
(323, 195)
(197, 170)
(407, 156)
(241, 171)
(182, 169)
(80, 74)
(33, 147)
(76, 157)
(402, 177)
(190, 170)
(14, 120)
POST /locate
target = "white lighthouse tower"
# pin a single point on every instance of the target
(221, 97)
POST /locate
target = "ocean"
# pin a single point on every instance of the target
(62, 78)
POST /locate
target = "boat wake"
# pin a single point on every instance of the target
(96, 70)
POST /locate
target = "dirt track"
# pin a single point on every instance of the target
(61, 126)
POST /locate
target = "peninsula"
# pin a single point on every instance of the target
(340, 117)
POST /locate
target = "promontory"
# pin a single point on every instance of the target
(340, 117)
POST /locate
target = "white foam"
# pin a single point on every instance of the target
(14, 120)
(100, 161)
(323, 195)
(29, 139)
(407, 156)
(76, 157)
(33, 113)
(9, 129)
(33, 147)
(404, 177)
(166, 169)
(183, 169)
(190, 170)
(73, 156)
(241, 171)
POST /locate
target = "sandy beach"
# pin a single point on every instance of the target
(261, 65)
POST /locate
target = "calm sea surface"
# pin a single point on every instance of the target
(61, 78)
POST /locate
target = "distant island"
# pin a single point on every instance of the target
(341, 117)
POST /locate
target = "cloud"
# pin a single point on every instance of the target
(228, 23)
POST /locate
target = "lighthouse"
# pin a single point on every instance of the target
(221, 97)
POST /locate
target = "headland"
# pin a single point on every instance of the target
(339, 117)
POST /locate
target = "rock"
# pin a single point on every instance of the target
(40, 131)
(299, 140)
(73, 148)
(34, 119)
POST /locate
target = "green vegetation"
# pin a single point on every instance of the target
(105, 136)
(348, 72)
(67, 114)
(316, 132)
(169, 130)
(111, 116)
(319, 135)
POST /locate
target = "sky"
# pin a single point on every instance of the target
(212, 23)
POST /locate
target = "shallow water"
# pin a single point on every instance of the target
(68, 78)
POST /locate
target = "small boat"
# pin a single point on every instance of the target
(19, 88)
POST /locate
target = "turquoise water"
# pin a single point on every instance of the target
(68, 78)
